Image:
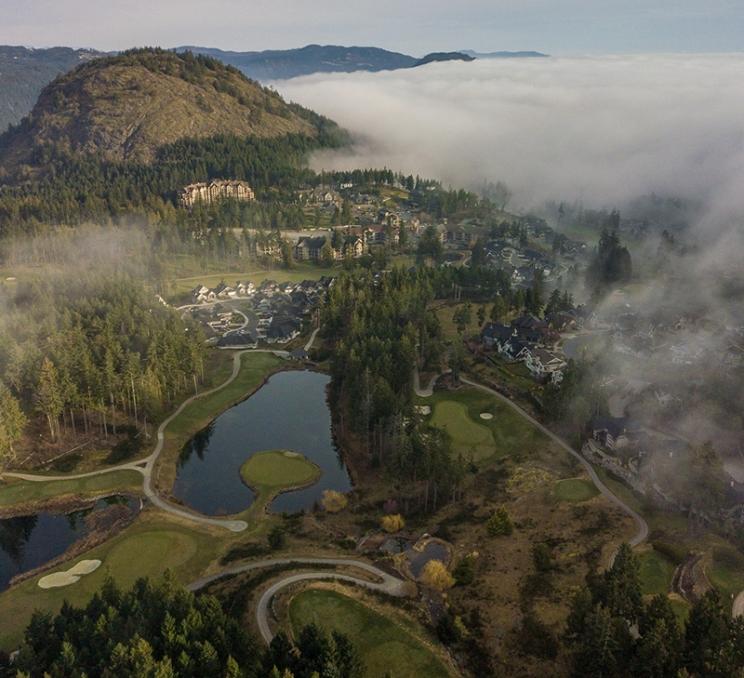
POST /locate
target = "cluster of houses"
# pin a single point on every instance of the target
(207, 192)
(271, 312)
(532, 341)
(346, 241)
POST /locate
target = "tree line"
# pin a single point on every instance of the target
(381, 326)
(87, 354)
(160, 630)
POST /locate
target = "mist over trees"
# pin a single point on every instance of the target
(612, 263)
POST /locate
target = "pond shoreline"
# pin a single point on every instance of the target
(97, 536)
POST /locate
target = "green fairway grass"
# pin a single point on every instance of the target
(385, 647)
(26, 492)
(656, 572)
(473, 439)
(575, 490)
(510, 434)
(275, 470)
(147, 548)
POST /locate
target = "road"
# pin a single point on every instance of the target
(642, 526)
(388, 583)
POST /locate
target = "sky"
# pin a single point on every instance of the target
(555, 26)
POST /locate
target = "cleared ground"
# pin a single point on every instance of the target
(386, 647)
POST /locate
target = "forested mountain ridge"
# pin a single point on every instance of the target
(291, 63)
(124, 108)
(24, 72)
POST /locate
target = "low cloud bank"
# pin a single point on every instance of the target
(597, 129)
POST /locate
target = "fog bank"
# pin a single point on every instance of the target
(596, 129)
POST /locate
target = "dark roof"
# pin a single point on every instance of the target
(497, 331)
(237, 338)
(615, 426)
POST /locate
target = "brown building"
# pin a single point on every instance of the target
(209, 192)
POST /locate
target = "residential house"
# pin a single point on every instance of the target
(542, 363)
(209, 192)
(611, 432)
(309, 248)
(496, 335)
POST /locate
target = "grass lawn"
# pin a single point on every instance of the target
(474, 440)
(385, 647)
(275, 470)
(511, 434)
(24, 492)
(575, 490)
(656, 572)
(146, 549)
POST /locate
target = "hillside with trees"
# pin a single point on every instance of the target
(124, 108)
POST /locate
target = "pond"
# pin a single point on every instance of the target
(27, 542)
(434, 550)
(289, 412)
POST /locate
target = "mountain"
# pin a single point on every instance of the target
(25, 72)
(290, 63)
(503, 55)
(124, 107)
(444, 56)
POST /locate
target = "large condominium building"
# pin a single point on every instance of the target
(208, 192)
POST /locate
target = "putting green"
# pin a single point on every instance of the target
(386, 648)
(575, 490)
(275, 470)
(471, 437)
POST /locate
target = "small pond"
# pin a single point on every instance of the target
(434, 550)
(289, 412)
(27, 542)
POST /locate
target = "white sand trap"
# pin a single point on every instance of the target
(84, 567)
(292, 454)
(423, 409)
(486, 415)
(58, 579)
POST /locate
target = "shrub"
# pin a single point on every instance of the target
(277, 538)
(334, 501)
(393, 523)
(499, 524)
(436, 576)
(464, 572)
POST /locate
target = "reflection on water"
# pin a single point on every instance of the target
(27, 542)
(289, 412)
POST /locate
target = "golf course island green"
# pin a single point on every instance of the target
(274, 471)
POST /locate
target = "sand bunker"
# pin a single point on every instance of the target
(58, 579)
(53, 581)
(84, 567)
(486, 415)
(423, 409)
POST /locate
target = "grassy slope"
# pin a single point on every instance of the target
(384, 645)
